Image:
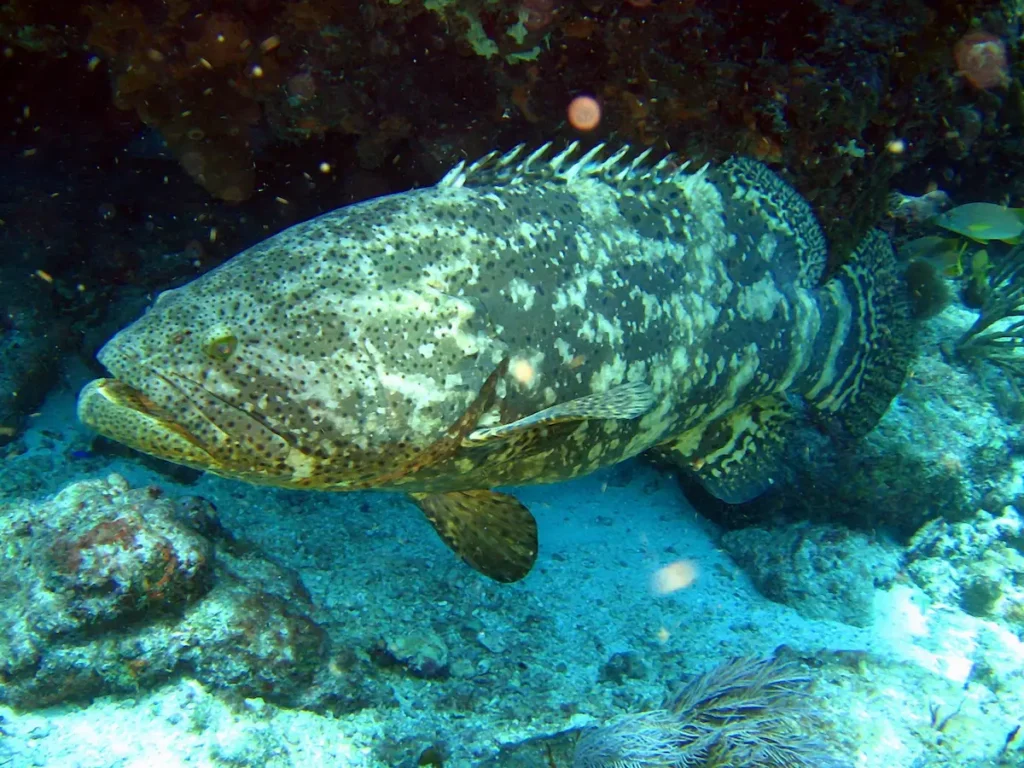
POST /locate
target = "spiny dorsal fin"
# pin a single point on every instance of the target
(627, 401)
(568, 166)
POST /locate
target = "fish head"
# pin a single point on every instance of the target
(298, 363)
(177, 386)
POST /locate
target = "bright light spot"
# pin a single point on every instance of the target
(674, 576)
(325, 167)
(896, 147)
(523, 371)
(584, 113)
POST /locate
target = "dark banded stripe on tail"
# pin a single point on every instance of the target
(864, 359)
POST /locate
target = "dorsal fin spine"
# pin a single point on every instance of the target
(583, 164)
(512, 154)
(614, 160)
(561, 157)
(536, 155)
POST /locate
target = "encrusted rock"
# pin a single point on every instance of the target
(423, 653)
(823, 571)
(107, 589)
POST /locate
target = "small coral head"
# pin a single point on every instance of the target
(981, 59)
(537, 13)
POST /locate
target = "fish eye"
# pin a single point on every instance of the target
(221, 347)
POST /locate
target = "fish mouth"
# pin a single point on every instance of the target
(122, 413)
(178, 419)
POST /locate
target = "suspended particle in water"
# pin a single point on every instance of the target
(981, 58)
(584, 113)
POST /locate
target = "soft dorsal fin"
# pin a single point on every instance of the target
(783, 209)
(627, 401)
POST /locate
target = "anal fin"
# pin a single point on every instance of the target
(736, 457)
(492, 532)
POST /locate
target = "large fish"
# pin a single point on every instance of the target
(527, 320)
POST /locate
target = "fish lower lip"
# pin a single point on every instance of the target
(127, 415)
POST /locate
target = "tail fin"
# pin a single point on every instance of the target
(863, 361)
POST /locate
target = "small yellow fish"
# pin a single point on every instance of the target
(980, 266)
(984, 222)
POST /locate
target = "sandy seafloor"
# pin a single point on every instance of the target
(375, 570)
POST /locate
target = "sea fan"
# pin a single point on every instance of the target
(998, 333)
(745, 713)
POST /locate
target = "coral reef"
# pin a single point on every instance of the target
(977, 565)
(149, 142)
(107, 589)
(706, 80)
(998, 334)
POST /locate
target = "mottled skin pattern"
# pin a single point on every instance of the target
(360, 349)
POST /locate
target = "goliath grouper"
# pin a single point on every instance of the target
(526, 320)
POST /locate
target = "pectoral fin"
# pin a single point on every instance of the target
(627, 401)
(492, 532)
